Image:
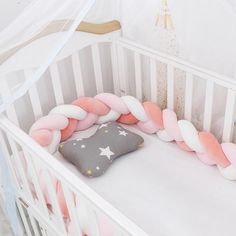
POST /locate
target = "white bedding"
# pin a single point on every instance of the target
(167, 191)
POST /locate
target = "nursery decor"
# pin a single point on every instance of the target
(166, 32)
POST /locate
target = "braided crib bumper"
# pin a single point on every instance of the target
(63, 120)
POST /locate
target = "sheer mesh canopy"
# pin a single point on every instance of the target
(46, 23)
(201, 32)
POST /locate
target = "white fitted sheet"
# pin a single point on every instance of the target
(167, 191)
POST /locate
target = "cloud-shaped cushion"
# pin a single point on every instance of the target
(93, 156)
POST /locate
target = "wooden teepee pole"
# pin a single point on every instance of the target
(164, 18)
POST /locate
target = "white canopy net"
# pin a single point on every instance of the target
(197, 31)
(57, 18)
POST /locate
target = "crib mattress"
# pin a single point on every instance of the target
(167, 191)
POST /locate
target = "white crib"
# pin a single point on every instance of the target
(96, 63)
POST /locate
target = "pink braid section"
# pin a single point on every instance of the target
(64, 120)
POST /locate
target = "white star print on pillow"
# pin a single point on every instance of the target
(123, 133)
(106, 152)
(103, 125)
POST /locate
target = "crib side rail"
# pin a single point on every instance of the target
(120, 79)
(191, 72)
(71, 52)
(33, 170)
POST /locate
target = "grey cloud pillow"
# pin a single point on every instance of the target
(92, 156)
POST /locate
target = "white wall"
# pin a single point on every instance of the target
(205, 29)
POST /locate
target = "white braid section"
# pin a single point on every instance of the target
(52, 148)
(190, 135)
(110, 116)
(69, 111)
(135, 107)
(228, 172)
(164, 136)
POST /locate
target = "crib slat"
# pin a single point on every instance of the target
(122, 78)
(8, 159)
(10, 111)
(170, 86)
(72, 210)
(94, 226)
(119, 232)
(87, 216)
(21, 172)
(115, 72)
(188, 96)
(229, 116)
(96, 229)
(54, 200)
(208, 106)
(138, 75)
(56, 84)
(78, 77)
(153, 77)
(34, 97)
(43, 232)
(35, 101)
(34, 225)
(24, 219)
(81, 211)
(97, 68)
(35, 180)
